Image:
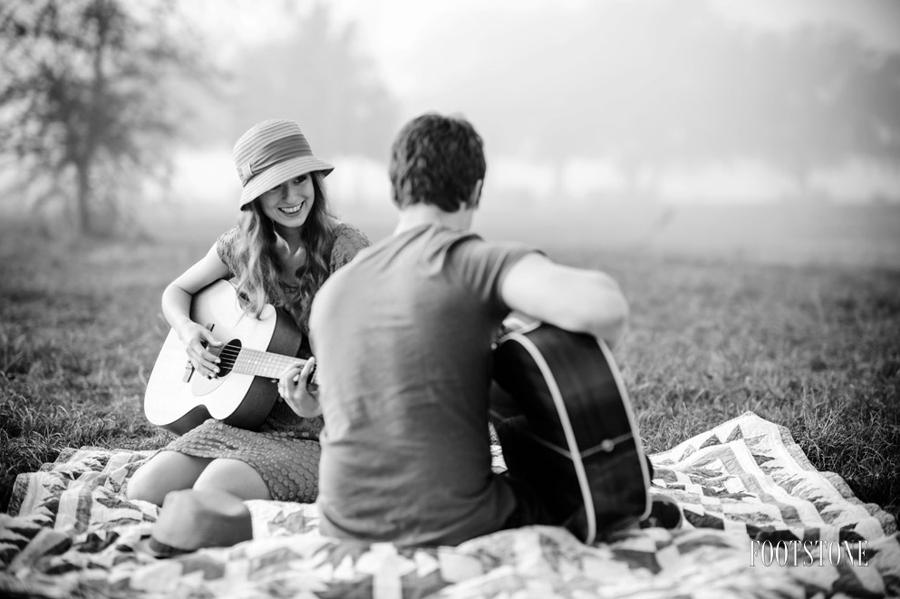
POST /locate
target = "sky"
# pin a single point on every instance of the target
(397, 32)
(407, 41)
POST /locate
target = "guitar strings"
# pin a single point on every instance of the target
(232, 355)
(233, 351)
(236, 359)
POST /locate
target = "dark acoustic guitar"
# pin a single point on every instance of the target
(255, 352)
(567, 429)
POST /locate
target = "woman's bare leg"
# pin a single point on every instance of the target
(235, 477)
(164, 472)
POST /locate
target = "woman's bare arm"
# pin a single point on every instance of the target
(176, 308)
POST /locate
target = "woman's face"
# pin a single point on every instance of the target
(289, 204)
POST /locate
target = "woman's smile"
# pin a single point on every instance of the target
(291, 210)
(290, 203)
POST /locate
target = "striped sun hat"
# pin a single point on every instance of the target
(270, 153)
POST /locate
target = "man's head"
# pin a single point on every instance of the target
(437, 160)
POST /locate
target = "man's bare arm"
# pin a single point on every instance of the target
(575, 299)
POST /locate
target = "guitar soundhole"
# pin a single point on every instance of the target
(228, 356)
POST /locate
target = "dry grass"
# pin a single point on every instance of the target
(814, 348)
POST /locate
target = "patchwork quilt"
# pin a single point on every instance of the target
(759, 521)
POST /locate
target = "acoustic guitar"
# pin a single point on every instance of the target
(255, 352)
(567, 428)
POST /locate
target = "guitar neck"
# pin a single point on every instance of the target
(261, 363)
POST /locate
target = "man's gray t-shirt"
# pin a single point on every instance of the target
(402, 336)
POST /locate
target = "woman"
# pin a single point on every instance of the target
(284, 247)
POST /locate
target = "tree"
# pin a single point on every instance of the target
(83, 111)
(834, 99)
(651, 85)
(319, 77)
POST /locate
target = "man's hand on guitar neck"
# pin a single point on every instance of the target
(298, 391)
(196, 338)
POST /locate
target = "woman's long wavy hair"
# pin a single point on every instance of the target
(260, 281)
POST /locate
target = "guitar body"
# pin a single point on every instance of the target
(179, 399)
(567, 429)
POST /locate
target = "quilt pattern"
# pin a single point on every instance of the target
(745, 489)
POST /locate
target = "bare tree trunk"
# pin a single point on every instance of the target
(85, 160)
(83, 199)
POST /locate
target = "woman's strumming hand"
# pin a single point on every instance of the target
(196, 338)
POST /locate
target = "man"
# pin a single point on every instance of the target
(402, 336)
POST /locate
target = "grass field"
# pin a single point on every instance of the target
(811, 345)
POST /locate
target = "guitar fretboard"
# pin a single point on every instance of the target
(257, 363)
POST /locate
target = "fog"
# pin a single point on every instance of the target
(605, 111)
(579, 102)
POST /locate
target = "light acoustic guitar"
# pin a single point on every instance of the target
(254, 353)
(567, 428)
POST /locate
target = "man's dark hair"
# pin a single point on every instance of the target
(436, 160)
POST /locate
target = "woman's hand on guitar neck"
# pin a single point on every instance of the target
(298, 392)
(196, 338)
